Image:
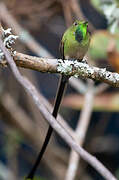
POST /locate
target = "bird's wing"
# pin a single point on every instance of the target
(61, 49)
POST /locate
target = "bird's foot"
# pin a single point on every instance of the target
(72, 59)
(84, 61)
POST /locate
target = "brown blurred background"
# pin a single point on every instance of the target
(40, 25)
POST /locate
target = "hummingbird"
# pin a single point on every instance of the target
(73, 46)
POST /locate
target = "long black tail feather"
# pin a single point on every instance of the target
(61, 90)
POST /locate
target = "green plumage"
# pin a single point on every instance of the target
(75, 41)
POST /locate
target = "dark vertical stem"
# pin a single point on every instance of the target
(61, 89)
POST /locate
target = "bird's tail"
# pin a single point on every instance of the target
(61, 89)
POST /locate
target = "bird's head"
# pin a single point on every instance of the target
(80, 29)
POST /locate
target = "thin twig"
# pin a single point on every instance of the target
(24, 35)
(101, 88)
(59, 128)
(75, 5)
(78, 84)
(6, 173)
(80, 132)
(67, 12)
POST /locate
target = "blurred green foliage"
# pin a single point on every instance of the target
(99, 44)
(96, 4)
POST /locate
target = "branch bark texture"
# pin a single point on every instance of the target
(51, 66)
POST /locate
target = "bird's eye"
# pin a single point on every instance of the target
(75, 23)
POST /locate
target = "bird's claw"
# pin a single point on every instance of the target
(84, 61)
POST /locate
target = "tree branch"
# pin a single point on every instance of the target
(76, 68)
(56, 126)
(81, 131)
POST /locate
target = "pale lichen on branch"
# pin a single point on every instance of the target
(75, 68)
(69, 66)
(8, 40)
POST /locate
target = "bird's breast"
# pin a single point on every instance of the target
(75, 51)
